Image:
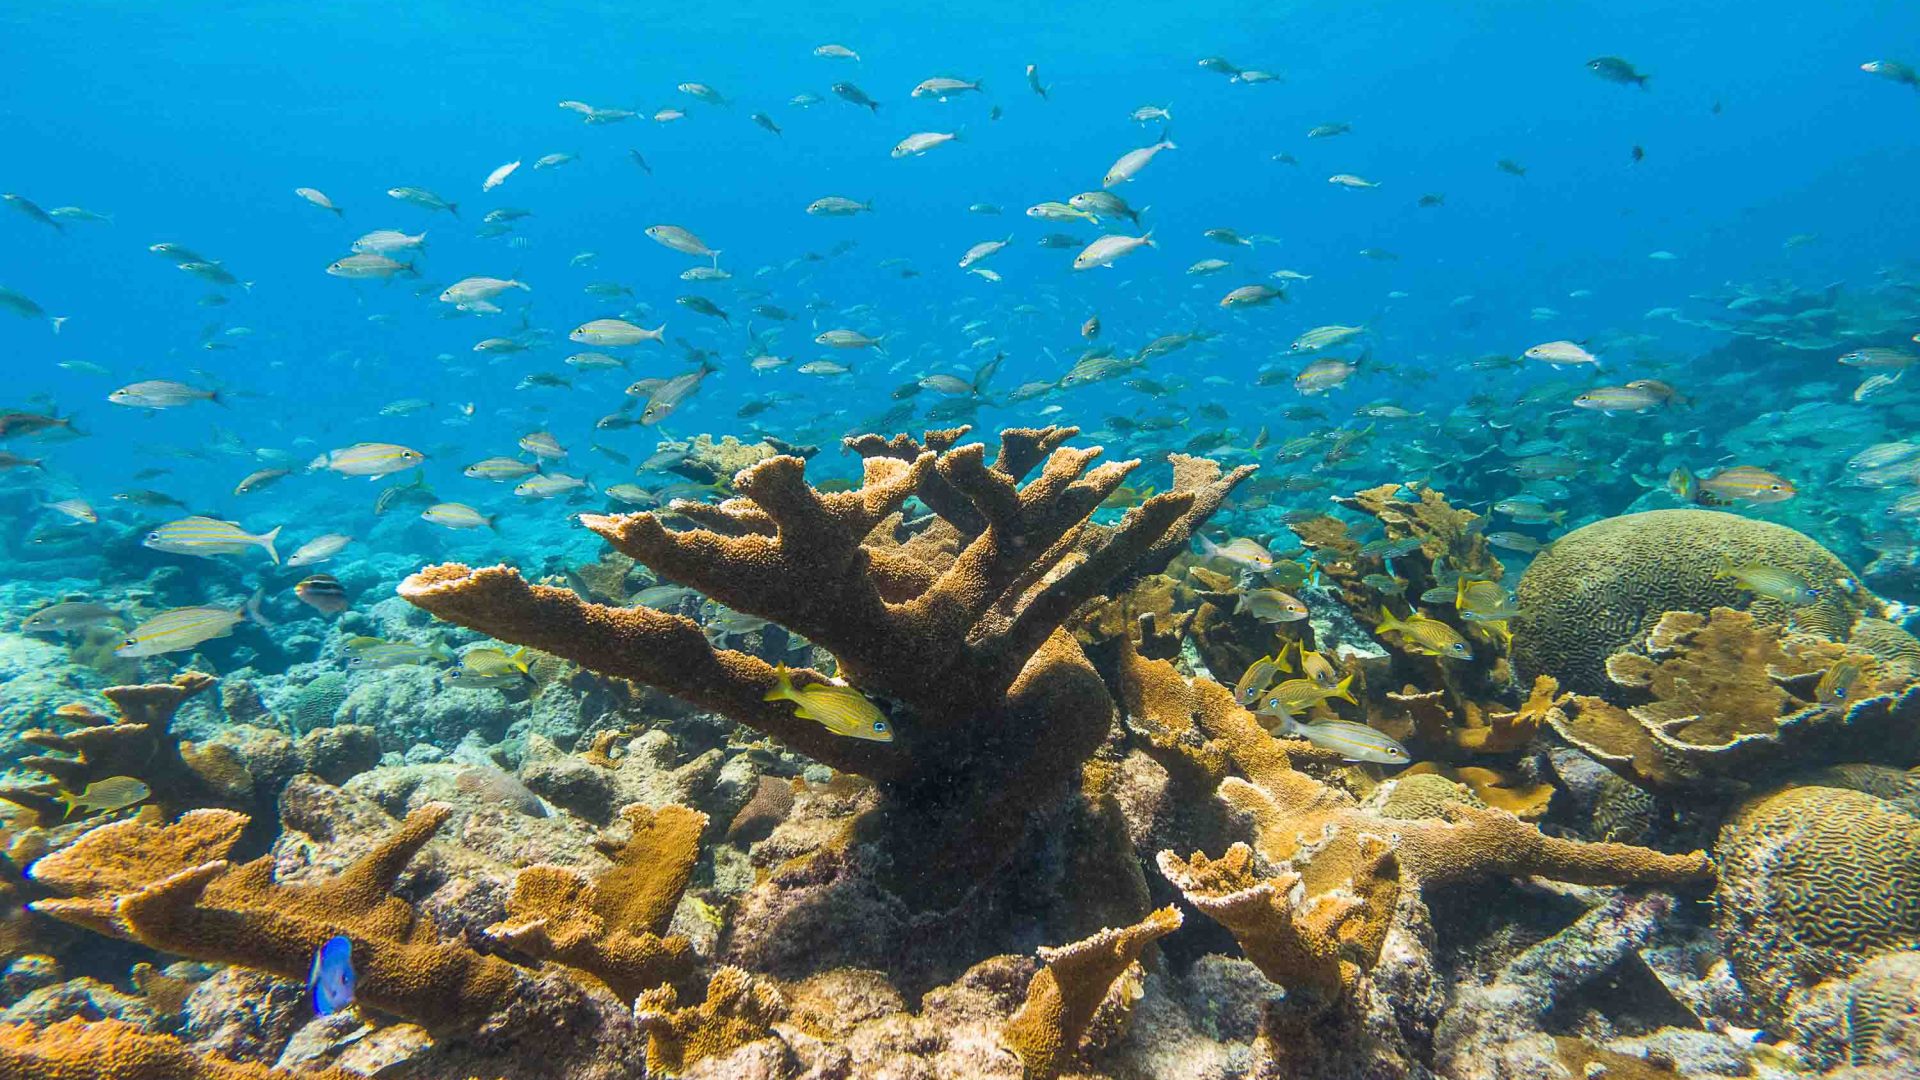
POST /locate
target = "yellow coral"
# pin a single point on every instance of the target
(127, 880)
(1061, 1000)
(1314, 943)
(739, 1008)
(75, 1049)
(611, 927)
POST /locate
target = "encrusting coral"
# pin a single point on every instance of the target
(614, 926)
(956, 622)
(1078, 979)
(1724, 700)
(75, 1049)
(137, 743)
(1602, 587)
(171, 888)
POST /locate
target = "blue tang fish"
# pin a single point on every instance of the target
(331, 981)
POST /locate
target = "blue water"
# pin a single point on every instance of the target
(194, 123)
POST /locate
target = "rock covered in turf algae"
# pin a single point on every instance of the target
(1817, 879)
(1601, 587)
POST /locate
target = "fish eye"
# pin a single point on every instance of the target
(880, 725)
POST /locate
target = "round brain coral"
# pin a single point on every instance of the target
(1814, 881)
(1601, 587)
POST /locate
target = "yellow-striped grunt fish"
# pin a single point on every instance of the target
(1355, 742)
(840, 709)
(1421, 634)
(205, 536)
(1770, 582)
(106, 796)
(1255, 680)
(1299, 695)
(1836, 688)
(179, 629)
(369, 459)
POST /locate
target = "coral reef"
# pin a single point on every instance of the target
(957, 624)
(138, 742)
(739, 1008)
(1600, 588)
(1724, 700)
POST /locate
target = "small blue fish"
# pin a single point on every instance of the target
(331, 981)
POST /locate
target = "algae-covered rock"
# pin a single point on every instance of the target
(1814, 881)
(1600, 588)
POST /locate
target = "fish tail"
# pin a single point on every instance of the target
(214, 396)
(266, 541)
(1387, 622)
(1344, 691)
(454, 209)
(56, 320)
(782, 686)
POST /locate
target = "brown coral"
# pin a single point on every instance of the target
(1814, 881)
(138, 743)
(1601, 587)
(1345, 860)
(171, 888)
(75, 1049)
(1725, 701)
(958, 624)
(739, 1008)
(612, 926)
(1318, 944)
(1061, 1000)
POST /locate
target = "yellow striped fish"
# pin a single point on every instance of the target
(840, 709)
(112, 793)
(369, 459)
(1424, 635)
(180, 628)
(207, 536)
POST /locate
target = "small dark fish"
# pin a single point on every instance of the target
(323, 593)
(765, 121)
(702, 305)
(1639, 153)
(330, 983)
(846, 91)
(1615, 70)
(1508, 165)
(634, 156)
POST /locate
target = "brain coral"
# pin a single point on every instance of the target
(1814, 880)
(1600, 588)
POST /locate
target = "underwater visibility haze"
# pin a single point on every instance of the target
(1312, 542)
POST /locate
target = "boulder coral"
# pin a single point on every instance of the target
(1817, 879)
(956, 621)
(1601, 588)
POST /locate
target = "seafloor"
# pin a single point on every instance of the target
(1643, 837)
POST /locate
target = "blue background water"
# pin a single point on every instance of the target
(194, 123)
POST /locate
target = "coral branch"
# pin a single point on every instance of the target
(612, 926)
(75, 1049)
(133, 888)
(1062, 998)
